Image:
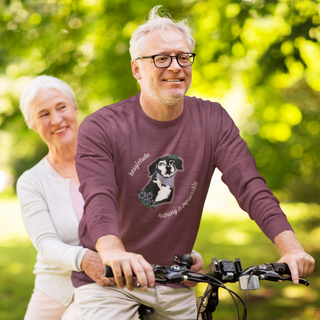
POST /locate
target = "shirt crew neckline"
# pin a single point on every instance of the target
(161, 123)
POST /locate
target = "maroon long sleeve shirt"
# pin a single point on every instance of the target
(146, 181)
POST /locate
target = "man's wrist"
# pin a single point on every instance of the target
(109, 242)
(286, 241)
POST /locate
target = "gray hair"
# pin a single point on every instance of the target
(30, 92)
(159, 22)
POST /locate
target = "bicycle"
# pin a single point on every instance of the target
(216, 275)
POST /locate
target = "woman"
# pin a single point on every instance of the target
(51, 204)
(50, 201)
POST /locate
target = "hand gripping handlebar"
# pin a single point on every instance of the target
(216, 275)
(223, 270)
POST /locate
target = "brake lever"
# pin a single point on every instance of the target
(273, 276)
(269, 271)
(169, 274)
(304, 282)
(301, 280)
(162, 281)
(282, 267)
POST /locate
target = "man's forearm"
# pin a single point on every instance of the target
(287, 241)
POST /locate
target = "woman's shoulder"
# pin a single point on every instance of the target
(33, 173)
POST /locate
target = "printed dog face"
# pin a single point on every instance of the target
(165, 166)
(160, 187)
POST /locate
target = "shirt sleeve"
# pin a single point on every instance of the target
(96, 172)
(240, 174)
(41, 230)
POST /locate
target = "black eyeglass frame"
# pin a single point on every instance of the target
(171, 57)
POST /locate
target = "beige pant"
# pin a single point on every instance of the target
(110, 303)
(42, 307)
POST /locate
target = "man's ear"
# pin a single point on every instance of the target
(135, 69)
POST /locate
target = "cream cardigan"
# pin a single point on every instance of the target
(49, 217)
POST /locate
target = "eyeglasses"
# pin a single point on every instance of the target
(164, 60)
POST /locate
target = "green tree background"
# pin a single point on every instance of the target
(259, 58)
(267, 50)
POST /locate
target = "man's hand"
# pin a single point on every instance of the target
(300, 263)
(92, 265)
(197, 266)
(123, 263)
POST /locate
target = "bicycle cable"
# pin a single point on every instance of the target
(247, 293)
(221, 285)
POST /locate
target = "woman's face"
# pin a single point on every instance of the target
(55, 118)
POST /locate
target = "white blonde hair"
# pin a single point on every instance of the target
(30, 92)
(138, 44)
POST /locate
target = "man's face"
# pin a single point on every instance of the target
(165, 86)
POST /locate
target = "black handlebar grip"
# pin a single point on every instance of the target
(281, 268)
(107, 272)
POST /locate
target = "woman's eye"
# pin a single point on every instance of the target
(62, 107)
(44, 115)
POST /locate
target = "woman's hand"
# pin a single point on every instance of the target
(196, 266)
(92, 265)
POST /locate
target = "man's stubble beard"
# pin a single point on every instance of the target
(163, 98)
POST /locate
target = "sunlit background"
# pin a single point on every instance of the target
(259, 59)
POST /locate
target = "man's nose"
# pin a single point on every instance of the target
(175, 66)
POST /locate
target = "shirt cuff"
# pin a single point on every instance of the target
(79, 258)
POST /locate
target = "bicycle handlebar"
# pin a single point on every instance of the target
(216, 274)
(225, 271)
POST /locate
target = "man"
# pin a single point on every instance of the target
(145, 165)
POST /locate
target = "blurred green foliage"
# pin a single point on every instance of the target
(259, 58)
(17, 258)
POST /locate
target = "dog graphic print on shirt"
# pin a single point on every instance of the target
(161, 185)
